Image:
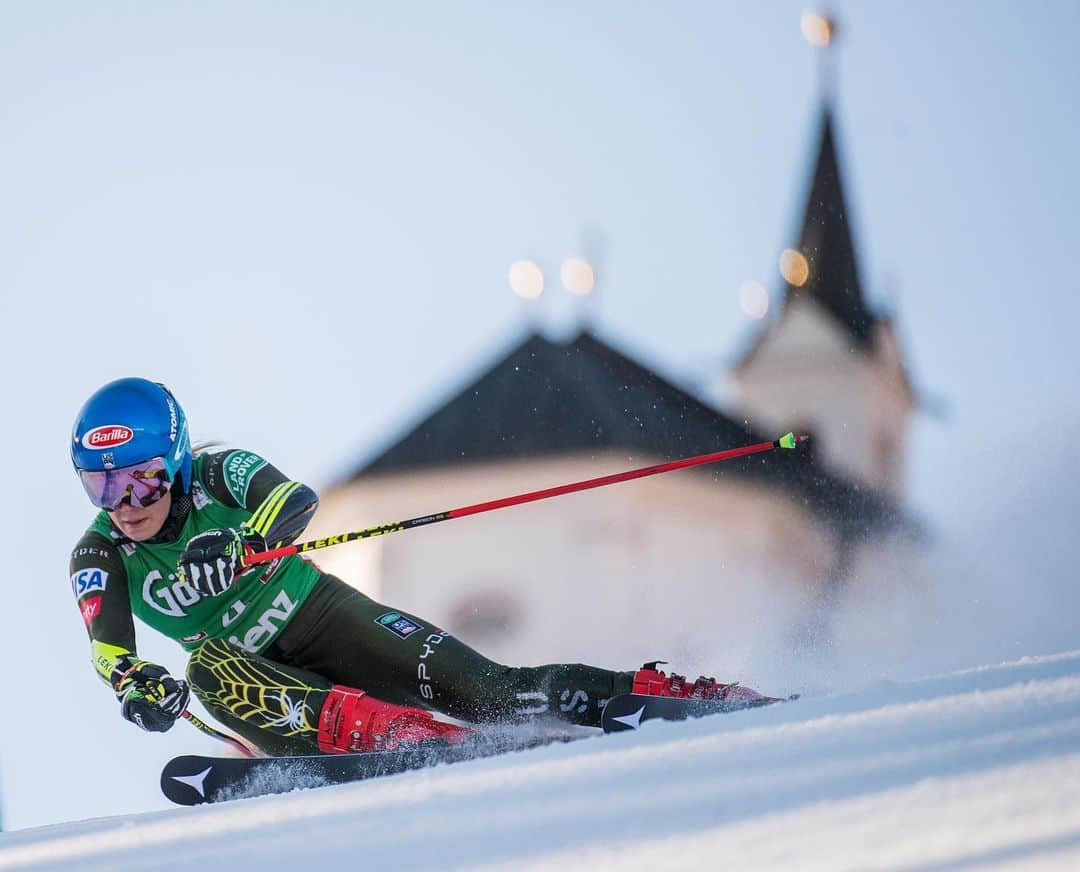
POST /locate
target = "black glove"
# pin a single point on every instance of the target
(150, 697)
(213, 559)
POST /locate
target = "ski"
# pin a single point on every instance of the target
(194, 779)
(628, 711)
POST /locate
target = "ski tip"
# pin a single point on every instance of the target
(790, 440)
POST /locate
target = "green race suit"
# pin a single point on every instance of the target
(265, 654)
(114, 578)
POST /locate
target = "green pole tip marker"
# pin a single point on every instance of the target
(791, 441)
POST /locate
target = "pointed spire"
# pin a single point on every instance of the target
(826, 242)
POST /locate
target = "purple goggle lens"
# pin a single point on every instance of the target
(141, 484)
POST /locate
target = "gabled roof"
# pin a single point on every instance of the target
(826, 242)
(546, 398)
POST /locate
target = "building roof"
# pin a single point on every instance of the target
(826, 242)
(548, 398)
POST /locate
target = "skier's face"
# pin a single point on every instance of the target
(139, 523)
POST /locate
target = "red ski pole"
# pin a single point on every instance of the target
(789, 441)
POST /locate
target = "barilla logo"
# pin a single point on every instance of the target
(107, 436)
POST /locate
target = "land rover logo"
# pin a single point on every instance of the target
(398, 624)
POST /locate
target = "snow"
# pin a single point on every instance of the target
(972, 769)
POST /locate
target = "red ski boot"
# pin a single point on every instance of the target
(651, 681)
(353, 721)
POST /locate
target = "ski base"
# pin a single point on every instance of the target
(195, 779)
(628, 711)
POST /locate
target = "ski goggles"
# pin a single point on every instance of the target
(140, 484)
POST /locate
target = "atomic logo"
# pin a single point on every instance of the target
(195, 782)
(632, 721)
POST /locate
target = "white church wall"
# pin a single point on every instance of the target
(807, 372)
(804, 374)
(359, 563)
(678, 567)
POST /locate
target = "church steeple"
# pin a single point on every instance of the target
(825, 241)
(829, 364)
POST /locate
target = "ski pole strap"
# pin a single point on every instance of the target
(204, 727)
(788, 441)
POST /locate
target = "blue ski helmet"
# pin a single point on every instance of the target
(128, 421)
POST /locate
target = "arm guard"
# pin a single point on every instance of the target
(284, 514)
(111, 661)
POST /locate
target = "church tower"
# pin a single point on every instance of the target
(827, 362)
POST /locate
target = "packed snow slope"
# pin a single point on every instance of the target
(973, 769)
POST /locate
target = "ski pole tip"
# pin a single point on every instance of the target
(790, 440)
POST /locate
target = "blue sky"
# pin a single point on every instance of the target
(300, 217)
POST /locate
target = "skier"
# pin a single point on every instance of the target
(290, 657)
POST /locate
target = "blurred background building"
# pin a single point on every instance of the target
(686, 565)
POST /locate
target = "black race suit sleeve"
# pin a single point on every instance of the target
(99, 583)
